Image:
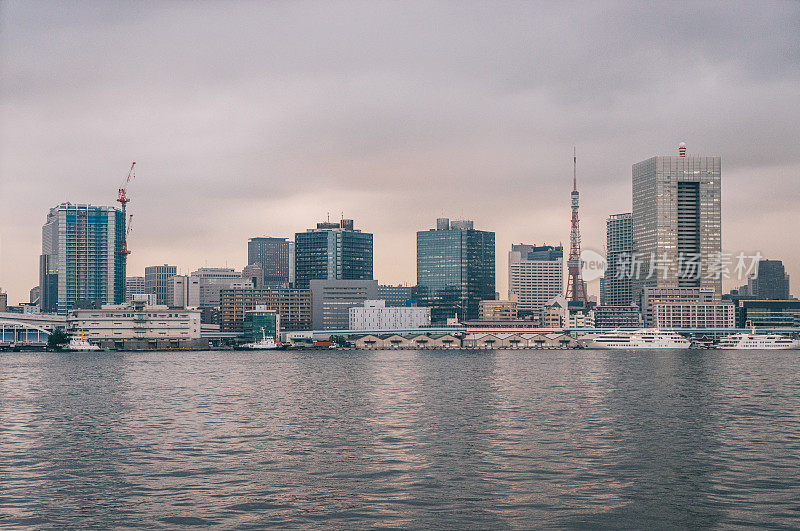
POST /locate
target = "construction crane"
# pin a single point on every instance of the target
(125, 250)
(119, 296)
(123, 200)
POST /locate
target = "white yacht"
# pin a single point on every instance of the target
(265, 343)
(644, 338)
(754, 340)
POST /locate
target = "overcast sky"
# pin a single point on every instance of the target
(260, 118)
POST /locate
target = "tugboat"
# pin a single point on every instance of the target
(80, 345)
(265, 343)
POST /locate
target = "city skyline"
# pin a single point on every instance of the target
(226, 154)
(732, 281)
(429, 265)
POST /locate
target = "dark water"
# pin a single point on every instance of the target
(411, 439)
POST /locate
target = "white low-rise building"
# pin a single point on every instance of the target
(374, 315)
(135, 321)
(716, 314)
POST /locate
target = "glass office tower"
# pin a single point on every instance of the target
(771, 282)
(332, 251)
(81, 262)
(617, 290)
(455, 269)
(272, 254)
(677, 222)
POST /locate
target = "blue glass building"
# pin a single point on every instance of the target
(332, 251)
(618, 285)
(81, 261)
(455, 269)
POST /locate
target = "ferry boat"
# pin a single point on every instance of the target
(754, 340)
(265, 343)
(649, 338)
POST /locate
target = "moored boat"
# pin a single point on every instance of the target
(265, 343)
(647, 338)
(754, 341)
(80, 345)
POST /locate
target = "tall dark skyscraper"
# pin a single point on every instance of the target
(772, 282)
(455, 269)
(677, 221)
(81, 260)
(332, 251)
(275, 257)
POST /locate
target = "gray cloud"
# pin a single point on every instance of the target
(249, 118)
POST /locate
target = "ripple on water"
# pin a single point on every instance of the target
(400, 439)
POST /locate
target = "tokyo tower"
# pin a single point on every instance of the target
(576, 287)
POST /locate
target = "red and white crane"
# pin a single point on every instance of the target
(123, 200)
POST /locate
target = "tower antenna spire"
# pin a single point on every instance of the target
(574, 170)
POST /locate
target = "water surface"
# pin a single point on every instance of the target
(421, 439)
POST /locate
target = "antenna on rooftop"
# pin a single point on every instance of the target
(574, 169)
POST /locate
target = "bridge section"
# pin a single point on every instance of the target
(20, 334)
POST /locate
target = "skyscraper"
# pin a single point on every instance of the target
(273, 254)
(332, 251)
(677, 222)
(81, 258)
(535, 275)
(455, 269)
(771, 282)
(158, 281)
(617, 289)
